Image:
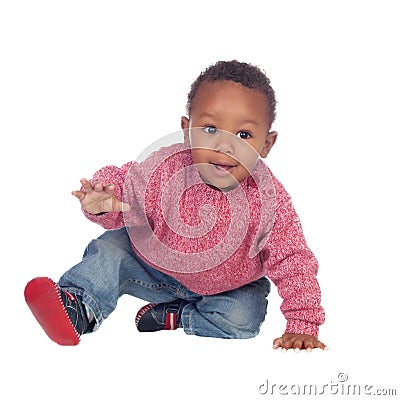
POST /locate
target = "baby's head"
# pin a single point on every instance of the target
(246, 74)
(230, 110)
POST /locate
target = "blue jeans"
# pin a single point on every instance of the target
(111, 268)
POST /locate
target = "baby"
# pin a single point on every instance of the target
(197, 229)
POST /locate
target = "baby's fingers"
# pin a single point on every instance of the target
(98, 187)
(86, 185)
(298, 342)
(277, 343)
(322, 346)
(109, 189)
(79, 194)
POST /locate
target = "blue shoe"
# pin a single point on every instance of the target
(163, 316)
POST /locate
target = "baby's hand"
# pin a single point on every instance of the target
(98, 198)
(298, 342)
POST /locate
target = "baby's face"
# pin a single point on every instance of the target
(228, 130)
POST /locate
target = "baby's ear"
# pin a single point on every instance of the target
(185, 128)
(269, 142)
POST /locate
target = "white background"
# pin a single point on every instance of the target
(90, 83)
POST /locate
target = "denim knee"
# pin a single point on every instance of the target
(237, 314)
(245, 319)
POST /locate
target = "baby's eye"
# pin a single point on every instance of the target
(243, 135)
(212, 130)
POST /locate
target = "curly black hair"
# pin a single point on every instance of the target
(246, 74)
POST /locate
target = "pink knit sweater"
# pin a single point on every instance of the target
(212, 241)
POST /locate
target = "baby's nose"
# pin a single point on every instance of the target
(225, 143)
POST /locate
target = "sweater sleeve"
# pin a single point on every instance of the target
(132, 184)
(293, 268)
(115, 176)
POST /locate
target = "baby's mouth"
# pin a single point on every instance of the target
(222, 169)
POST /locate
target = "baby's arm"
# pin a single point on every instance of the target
(292, 266)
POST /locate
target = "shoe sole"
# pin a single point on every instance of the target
(44, 300)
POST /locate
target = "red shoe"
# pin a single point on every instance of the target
(61, 314)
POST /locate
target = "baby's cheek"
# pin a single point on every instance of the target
(248, 160)
(200, 156)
